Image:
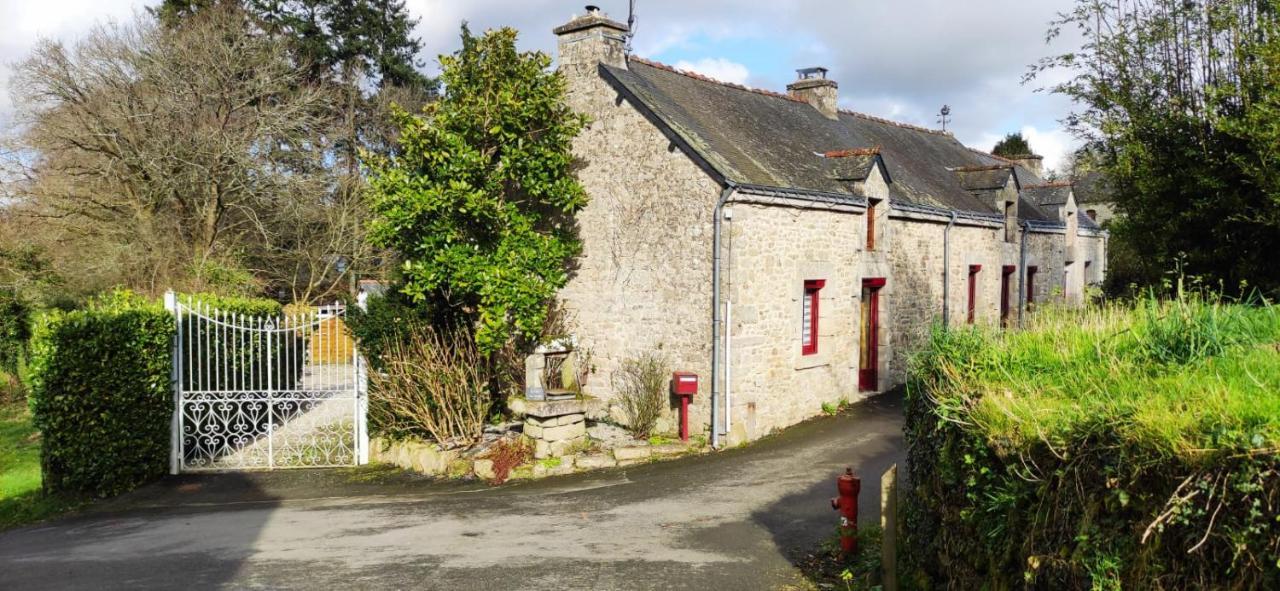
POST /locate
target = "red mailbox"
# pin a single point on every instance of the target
(684, 383)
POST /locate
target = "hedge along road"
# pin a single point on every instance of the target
(731, 520)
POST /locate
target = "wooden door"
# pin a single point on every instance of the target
(869, 336)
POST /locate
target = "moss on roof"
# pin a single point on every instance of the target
(759, 137)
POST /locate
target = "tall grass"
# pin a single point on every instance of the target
(1186, 376)
(1133, 445)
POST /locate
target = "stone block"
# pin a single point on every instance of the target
(564, 432)
(554, 408)
(565, 447)
(459, 468)
(533, 429)
(623, 454)
(669, 449)
(571, 419)
(541, 449)
(595, 462)
(484, 469)
(426, 459)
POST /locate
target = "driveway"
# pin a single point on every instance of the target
(730, 520)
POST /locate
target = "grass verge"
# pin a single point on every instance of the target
(21, 499)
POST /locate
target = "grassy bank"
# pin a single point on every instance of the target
(21, 500)
(1131, 446)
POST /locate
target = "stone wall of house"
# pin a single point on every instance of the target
(771, 251)
(643, 281)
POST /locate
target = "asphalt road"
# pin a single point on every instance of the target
(730, 520)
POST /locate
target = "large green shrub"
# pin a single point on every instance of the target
(1103, 449)
(101, 395)
(15, 330)
(385, 321)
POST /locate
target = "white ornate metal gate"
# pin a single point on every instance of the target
(265, 392)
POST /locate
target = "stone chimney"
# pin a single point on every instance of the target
(814, 88)
(588, 40)
(1031, 162)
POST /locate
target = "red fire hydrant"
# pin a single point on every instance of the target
(848, 486)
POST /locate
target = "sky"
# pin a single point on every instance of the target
(901, 59)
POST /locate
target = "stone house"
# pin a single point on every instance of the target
(789, 252)
(1095, 197)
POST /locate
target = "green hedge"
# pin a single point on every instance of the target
(101, 395)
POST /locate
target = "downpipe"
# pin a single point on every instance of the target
(946, 272)
(1022, 273)
(729, 188)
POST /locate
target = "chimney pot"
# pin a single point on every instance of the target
(814, 88)
(593, 9)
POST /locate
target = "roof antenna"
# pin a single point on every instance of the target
(631, 26)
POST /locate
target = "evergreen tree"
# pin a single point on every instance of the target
(479, 202)
(1012, 146)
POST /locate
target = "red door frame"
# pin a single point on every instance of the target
(869, 373)
(973, 290)
(1006, 273)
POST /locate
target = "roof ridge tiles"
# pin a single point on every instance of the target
(1051, 185)
(894, 123)
(770, 93)
(990, 155)
(697, 76)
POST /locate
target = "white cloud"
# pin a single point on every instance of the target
(909, 57)
(718, 68)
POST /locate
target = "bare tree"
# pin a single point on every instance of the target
(196, 157)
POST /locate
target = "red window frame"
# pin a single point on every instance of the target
(812, 290)
(871, 226)
(973, 291)
(1006, 284)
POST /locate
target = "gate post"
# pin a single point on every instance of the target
(175, 434)
(362, 397)
(271, 396)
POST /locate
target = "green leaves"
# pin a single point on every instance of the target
(479, 203)
(101, 395)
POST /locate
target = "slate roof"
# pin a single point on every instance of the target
(1048, 194)
(764, 138)
(1093, 187)
(984, 178)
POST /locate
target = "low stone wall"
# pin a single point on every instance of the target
(430, 460)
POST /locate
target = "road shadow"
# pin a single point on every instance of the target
(95, 548)
(801, 521)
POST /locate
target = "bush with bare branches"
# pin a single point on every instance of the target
(641, 389)
(432, 384)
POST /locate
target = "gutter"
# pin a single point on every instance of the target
(946, 272)
(729, 188)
